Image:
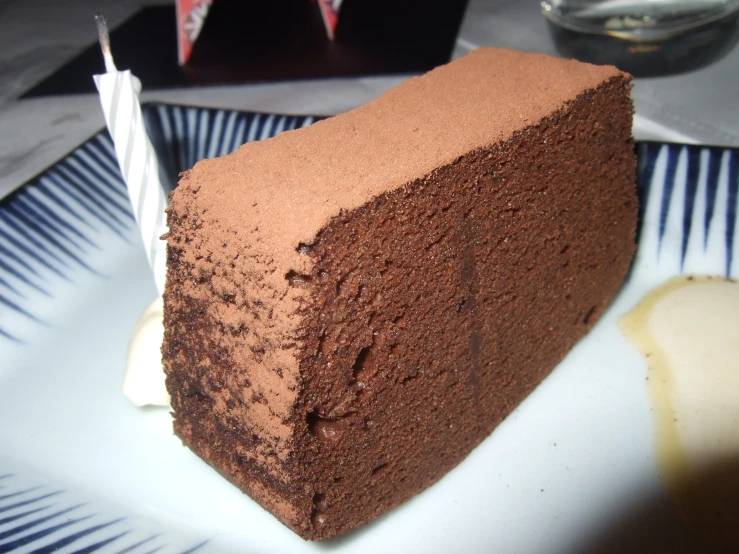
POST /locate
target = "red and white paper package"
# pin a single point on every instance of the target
(330, 13)
(191, 15)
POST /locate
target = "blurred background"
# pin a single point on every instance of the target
(278, 57)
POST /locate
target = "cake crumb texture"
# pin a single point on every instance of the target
(352, 307)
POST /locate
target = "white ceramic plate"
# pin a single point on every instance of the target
(82, 470)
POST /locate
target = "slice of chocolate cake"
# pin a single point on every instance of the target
(352, 307)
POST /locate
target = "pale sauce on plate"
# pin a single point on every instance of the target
(688, 330)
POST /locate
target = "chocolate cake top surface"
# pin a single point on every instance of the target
(284, 190)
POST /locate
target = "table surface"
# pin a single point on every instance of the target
(38, 36)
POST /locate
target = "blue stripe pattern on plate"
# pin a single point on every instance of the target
(50, 229)
(38, 519)
(693, 189)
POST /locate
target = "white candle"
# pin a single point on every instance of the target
(119, 97)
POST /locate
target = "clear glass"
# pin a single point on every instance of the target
(646, 37)
(645, 19)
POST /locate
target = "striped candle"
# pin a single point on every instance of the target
(119, 97)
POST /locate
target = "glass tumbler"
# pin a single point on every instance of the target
(644, 37)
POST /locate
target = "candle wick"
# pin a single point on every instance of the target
(104, 40)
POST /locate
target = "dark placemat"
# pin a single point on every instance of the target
(243, 42)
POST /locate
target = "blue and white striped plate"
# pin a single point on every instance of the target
(81, 470)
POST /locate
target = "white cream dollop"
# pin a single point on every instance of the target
(143, 382)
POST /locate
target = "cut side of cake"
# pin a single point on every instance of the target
(352, 307)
